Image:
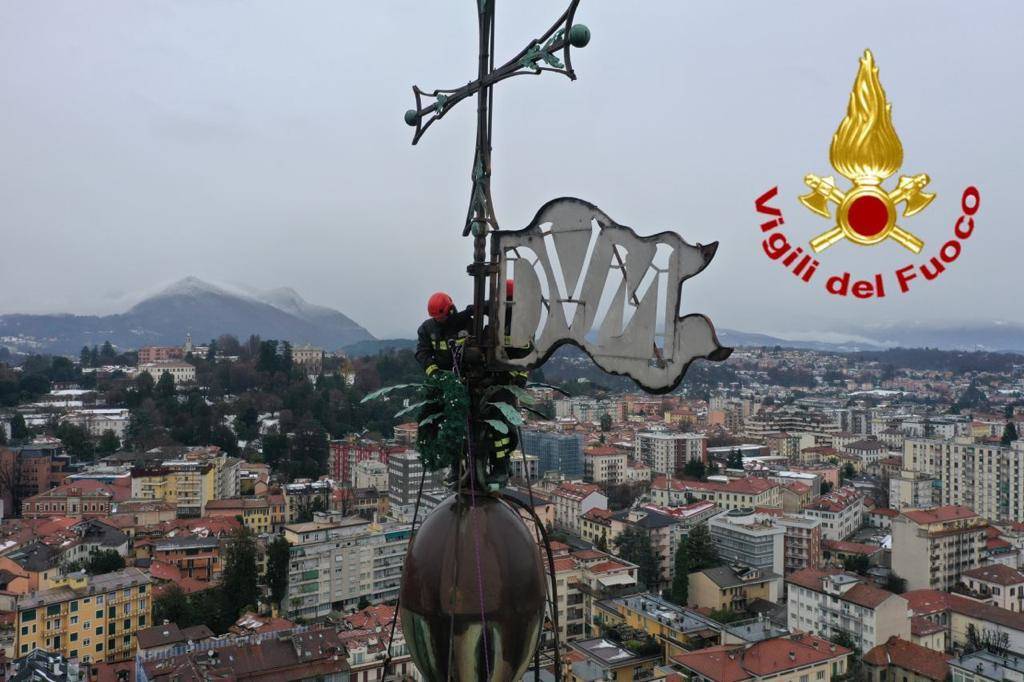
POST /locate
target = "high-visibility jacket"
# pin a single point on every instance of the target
(435, 340)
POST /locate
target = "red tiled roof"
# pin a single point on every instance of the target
(811, 577)
(768, 657)
(924, 602)
(866, 595)
(601, 451)
(884, 511)
(835, 501)
(950, 512)
(607, 567)
(850, 547)
(718, 663)
(921, 626)
(909, 656)
(1000, 574)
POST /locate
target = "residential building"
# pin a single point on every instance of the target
(97, 421)
(43, 666)
(583, 578)
(732, 493)
(370, 474)
(912, 490)
(802, 543)
(524, 467)
(732, 587)
(996, 584)
(91, 618)
(668, 453)
(986, 666)
(605, 465)
(663, 531)
(196, 557)
(831, 602)
(931, 548)
(188, 484)
(76, 501)
(152, 354)
(987, 478)
(562, 452)
(841, 513)
(681, 629)
(338, 561)
(573, 500)
(898, 659)
(405, 472)
(310, 359)
(602, 659)
(181, 372)
(743, 537)
(254, 512)
(797, 657)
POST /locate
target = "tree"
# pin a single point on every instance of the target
(172, 606)
(857, 564)
(826, 487)
(635, 546)
(165, 386)
(19, 429)
(107, 353)
(1009, 433)
(681, 579)
(84, 357)
(844, 638)
(108, 443)
(895, 584)
(277, 568)
(695, 470)
(240, 582)
(602, 542)
(735, 460)
(104, 561)
(700, 548)
(606, 422)
(848, 472)
(76, 440)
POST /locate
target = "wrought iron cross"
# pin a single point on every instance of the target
(538, 56)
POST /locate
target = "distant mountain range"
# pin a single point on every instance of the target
(208, 310)
(190, 305)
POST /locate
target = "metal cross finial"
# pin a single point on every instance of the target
(538, 56)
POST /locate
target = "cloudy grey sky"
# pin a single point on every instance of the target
(262, 143)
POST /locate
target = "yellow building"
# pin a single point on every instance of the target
(255, 512)
(189, 485)
(679, 629)
(92, 618)
(732, 589)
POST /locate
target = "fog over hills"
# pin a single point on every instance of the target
(208, 310)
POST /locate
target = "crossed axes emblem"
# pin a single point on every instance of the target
(867, 213)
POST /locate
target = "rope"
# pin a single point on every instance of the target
(394, 618)
(457, 365)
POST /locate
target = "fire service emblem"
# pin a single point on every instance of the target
(866, 151)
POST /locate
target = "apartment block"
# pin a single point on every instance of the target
(337, 561)
(667, 453)
(841, 512)
(604, 465)
(92, 618)
(745, 538)
(931, 548)
(987, 478)
(830, 603)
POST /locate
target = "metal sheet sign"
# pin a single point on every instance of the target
(581, 278)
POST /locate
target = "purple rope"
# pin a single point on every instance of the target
(457, 357)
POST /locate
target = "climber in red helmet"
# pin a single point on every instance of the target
(441, 333)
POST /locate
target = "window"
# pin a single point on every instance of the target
(99, 598)
(73, 637)
(28, 615)
(74, 620)
(821, 674)
(99, 630)
(127, 609)
(74, 606)
(53, 610)
(99, 646)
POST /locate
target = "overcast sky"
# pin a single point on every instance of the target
(262, 143)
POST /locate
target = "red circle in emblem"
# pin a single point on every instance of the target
(868, 215)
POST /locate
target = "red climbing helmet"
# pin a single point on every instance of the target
(439, 305)
(510, 288)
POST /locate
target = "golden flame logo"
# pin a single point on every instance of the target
(865, 146)
(866, 150)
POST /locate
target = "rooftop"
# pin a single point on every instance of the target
(909, 656)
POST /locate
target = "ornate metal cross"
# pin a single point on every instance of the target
(538, 56)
